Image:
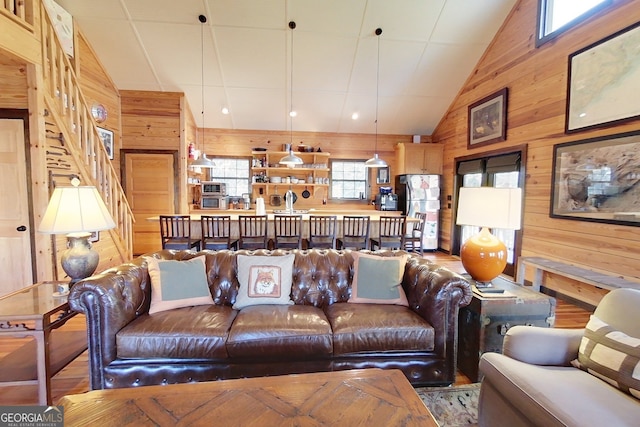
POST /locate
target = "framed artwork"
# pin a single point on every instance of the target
(597, 179)
(603, 79)
(107, 139)
(382, 176)
(95, 236)
(487, 119)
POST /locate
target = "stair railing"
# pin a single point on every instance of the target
(72, 115)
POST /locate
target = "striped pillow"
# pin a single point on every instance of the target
(611, 355)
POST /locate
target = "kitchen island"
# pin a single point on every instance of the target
(373, 214)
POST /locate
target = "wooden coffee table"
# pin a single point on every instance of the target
(347, 398)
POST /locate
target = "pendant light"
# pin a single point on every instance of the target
(202, 161)
(375, 161)
(291, 159)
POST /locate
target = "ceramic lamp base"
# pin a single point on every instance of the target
(484, 256)
(79, 261)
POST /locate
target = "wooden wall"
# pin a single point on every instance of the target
(537, 82)
(13, 78)
(224, 142)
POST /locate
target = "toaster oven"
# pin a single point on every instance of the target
(210, 188)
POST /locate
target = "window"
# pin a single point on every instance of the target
(232, 171)
(557, 16)
(348, 179)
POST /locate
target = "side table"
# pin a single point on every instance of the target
(483, 323)
(35, 312)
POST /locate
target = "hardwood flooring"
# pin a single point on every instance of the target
(74, 378)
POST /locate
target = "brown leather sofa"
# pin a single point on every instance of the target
(128, 347)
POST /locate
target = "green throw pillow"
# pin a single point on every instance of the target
(176, 284)
(378, 280)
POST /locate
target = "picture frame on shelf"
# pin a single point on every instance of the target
(383, 176)
(107, 139)
(596, 179)
(602, 77)
(487, 119)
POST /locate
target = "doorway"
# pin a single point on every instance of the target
(16, 219)
(149, 181)
(499, 169)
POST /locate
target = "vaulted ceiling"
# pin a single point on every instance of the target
(428, 48)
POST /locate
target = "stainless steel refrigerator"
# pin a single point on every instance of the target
(421, 193)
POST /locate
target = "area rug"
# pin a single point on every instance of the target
(455, 406)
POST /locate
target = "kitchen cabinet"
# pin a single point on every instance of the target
(420, 158)
(312, 175)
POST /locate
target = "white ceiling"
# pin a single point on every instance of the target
(428, 48)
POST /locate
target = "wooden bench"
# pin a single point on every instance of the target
(599, 280)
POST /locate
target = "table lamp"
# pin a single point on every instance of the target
(484, 256)
(77, 211)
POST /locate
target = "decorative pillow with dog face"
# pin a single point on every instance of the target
(264, 280)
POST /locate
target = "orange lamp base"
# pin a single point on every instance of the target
(484, 256)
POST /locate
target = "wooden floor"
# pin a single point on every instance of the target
(74, 378)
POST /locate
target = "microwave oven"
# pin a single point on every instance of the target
(210, 188)
(213, 202)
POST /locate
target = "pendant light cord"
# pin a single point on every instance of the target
(203, 20)
(292, 25)
(378, 32)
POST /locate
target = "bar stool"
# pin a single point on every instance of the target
(355, 232)
(175, 231)
(322, 231)
(391, 234)
(410, 239)
(288, 231)
(216, 232)
(253, 232)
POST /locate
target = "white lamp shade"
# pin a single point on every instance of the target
(490, 207)
(74, 210)
(291, 159)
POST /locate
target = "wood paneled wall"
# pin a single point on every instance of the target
(13, 78)
(98, 88)
(537, 82)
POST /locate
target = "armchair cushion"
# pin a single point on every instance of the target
(542, 346)
(611, 355)
(176, 284)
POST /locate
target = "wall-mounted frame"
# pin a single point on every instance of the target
(107, 139)
(487, 119)
(603, 79)
(383, 176)
(95, 236)
(597, 179)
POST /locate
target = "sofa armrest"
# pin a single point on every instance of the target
(542, 346)
(436, 294)
(109, 300)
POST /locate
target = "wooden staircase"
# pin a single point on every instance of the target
(73, 144)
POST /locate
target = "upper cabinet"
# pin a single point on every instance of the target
(420, 158)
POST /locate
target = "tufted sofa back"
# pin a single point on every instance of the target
(321, 277)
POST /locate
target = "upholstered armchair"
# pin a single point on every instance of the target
(561, 377)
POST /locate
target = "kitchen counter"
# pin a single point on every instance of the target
(234, 213)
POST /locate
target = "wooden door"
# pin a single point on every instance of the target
(150, 186)
(15, 230)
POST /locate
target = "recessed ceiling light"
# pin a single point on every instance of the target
(355, 116)
(293, 113)
(225, 110)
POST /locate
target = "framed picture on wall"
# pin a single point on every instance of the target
(382, 176)
(597, 179)
(487, 119)
(107, 140)
(602, 80)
